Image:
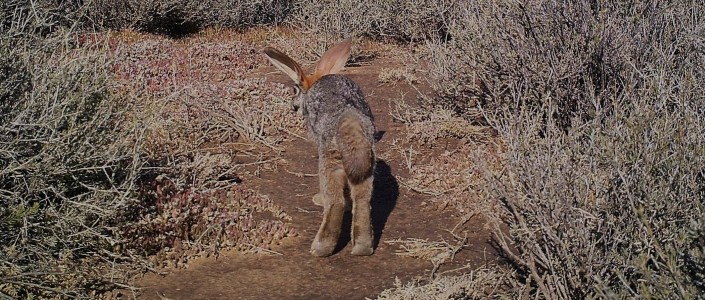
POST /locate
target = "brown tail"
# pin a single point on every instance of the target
(355, 148)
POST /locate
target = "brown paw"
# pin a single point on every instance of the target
(318, 199)
(322, 249)
(362, 250)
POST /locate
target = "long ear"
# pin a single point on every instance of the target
(334, 59)
(285, 64)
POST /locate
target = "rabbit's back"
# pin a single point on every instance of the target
(328, 99)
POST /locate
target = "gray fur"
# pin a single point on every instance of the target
(327, 100)
(340, 122)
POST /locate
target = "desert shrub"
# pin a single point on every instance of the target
(14, 79)
(399, 19)
(36, 18)
(171, 17)
(601, 109)
(179, 17)
(93, 181)
(68, 161)
(605, 210)
(512, 53)
(329, 20)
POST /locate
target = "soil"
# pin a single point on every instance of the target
(289, 271)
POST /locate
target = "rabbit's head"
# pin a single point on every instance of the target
(331, 62)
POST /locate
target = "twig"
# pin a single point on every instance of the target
(423, 191)
(161, 296)
(456, 269)
(294, 134)
(41, 287)
(258, 162)
(305, 210)
(299, 174)
(465, 219)
(5, 296)
(263, 249)
(125, 286)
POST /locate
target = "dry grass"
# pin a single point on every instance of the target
(393, 75)
(427, 123)
(178, 18)
(179, 224)
(483, 283)
(451, 174)
(399, 19)
(438, 253)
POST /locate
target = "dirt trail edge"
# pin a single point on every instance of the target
(291, 272)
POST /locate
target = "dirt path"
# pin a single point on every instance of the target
(293, 273)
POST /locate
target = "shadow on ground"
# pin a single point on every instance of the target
(384, 198)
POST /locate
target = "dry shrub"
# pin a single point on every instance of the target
(175, 18)
(398, 19)
(610, 209)
(449, 174)
(328, 20)
(180, 17)
(14, 79)
(506, 53)
(31, 19)
(427, 123)
(68, 163)
(87, 128)
(393, 75)
(601, 109)
(208, 114)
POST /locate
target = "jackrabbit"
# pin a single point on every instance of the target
(341, 123)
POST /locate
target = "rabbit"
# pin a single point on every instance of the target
(340, 122)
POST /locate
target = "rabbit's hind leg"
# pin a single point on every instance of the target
(362, 235)
(333, 181)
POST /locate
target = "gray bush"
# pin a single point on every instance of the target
(67, 162)
(398, 19)
(601, 107)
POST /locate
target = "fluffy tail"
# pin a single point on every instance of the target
(355, 148)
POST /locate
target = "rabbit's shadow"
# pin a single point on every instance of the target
(384, 198)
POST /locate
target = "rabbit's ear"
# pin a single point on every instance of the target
(334, 59)
(286, 65)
